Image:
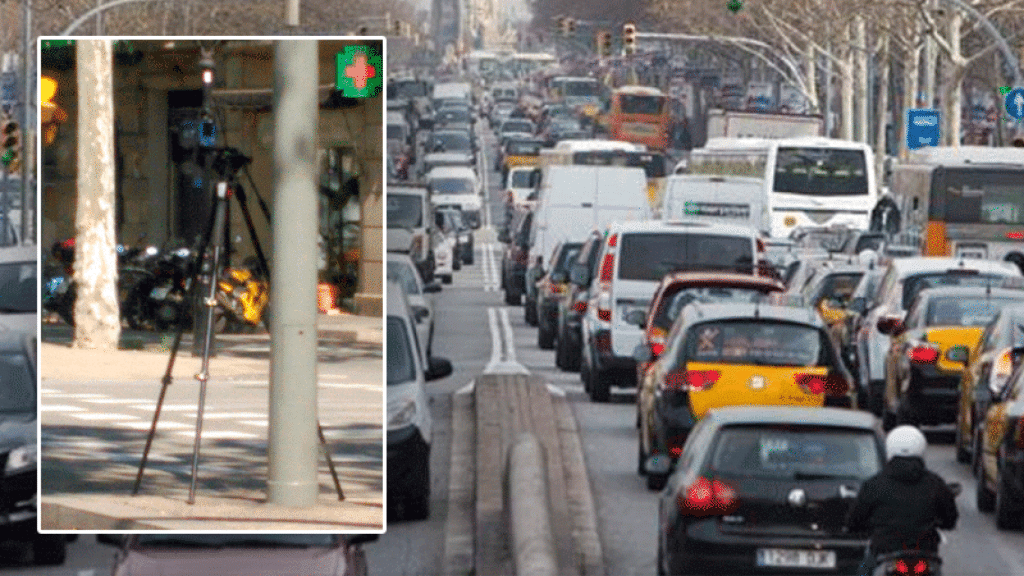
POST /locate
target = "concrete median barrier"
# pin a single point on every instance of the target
(533, 541)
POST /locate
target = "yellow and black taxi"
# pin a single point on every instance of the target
(765, 490)
(989, 366)
(734, 354)
(929, 350)
(1000, 468)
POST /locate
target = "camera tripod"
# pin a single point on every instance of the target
(226, 163)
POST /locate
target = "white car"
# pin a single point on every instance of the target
(409, 420)
(19, 289)
(402, 271)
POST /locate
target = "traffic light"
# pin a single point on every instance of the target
(397, 27)
(51, 115)
(629, 37)
(10, 157)
(604, 43)
(571, 24)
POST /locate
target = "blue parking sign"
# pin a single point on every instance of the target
(922, 128)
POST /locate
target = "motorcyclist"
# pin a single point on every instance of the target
(904, 503)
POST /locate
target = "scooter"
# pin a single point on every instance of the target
(912, 562)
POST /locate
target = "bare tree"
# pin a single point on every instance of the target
(97, 316)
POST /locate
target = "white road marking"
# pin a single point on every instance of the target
(221, 435)
(503, 352)
(105, 416)
(160, 425)
(60, 408)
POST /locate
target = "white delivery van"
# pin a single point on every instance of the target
(458, 187)
(716, 199)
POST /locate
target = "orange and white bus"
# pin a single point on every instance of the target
(639, 114)
(965, 202)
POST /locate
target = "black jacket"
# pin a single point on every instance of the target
(902, 506)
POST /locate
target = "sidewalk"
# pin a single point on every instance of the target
(233, 503)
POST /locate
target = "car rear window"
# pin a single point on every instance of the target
(960, 311)
(521, 179)
(758, 342)
(401, 366)
(674, 304)
(650, 256)
(838, 286)
(795, 452)
(914, 284)
(405, 275)
(566, 257)
(404, 210)
(451, 186)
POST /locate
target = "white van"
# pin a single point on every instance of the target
(457, 186)
(410, 226)
(716, 199)
(574, 200)
(634, 259)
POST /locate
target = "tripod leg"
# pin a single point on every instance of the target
(220, 217)
(152, 431)
(330, 462)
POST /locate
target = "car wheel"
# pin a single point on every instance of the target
(456, 264)
(530, 311)
(876, 398)
(656, 482)
(512, 296)
(416, 501)
(641, 456)
(1007, 509)
(49, 550)
(983, 497)
(545, 337)
(560, 352)
(963, 455)
(446, 279)
(600, 386)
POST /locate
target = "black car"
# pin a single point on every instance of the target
(550, 289)
(763, 490)
(573, 304)
(18, 422)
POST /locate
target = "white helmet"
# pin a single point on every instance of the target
(905, 441)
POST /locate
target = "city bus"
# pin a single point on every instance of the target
(966, 202)
(578, 92)
(612, 153)
(525, 64)
(808, 182)
(639, 114)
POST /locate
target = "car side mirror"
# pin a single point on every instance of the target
(637, 318)
(438, 368)
(958, 354)
(559, 277)
(859, 305)
(420, 313)
(830, 313)
(890, 325)
(431, 288)
(504, 237)
(579, 274)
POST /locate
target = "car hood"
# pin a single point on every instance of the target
(235, 562)
(17, 429)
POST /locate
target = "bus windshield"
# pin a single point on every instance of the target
(581, 88)
(980, 197)
(821, 172)
(637, 104)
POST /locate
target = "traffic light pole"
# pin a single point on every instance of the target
(28, 76)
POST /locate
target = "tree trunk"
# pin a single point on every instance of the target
(847, 97)
(884, 65)
(811, 72)
(911, 69)
(97, 314)
(953, 94)
(861, 88)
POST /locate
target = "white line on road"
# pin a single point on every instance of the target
(510, 343)
(60, 408)
(503, 352)
(105, 416)
(160, 425)
(221, 435)
(492, 321)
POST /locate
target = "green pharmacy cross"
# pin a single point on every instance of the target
(734, 6)
(360, 71)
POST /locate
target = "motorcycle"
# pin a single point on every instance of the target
(912, 562)
(242, 296)
(159, 297)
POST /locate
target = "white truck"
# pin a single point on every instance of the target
(737, 200)
(737, 124)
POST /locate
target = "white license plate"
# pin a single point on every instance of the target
(796, 558)
(160, 292)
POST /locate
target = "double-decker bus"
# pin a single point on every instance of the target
(639, 114)
(962, 202)
(808, 182)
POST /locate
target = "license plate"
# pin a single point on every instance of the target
(796, 558)
(160, 292)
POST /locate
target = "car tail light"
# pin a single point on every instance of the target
(657, 348)
(1001, 370)
(607, 267)
(706, 497)
(901, 567)
(604, 307)
(613, 240)
(692, 380)
(1015, 235)
(923, 354)
(555, 287)
(832, 384)
(580, 306)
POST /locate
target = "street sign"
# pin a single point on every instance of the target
(1015, 103)
(922, 128)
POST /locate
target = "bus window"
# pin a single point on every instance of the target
(633, 104)
(820, 172)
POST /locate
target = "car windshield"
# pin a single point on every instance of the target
(758, 342)
(18, 394)
(795, 452)
(521, 179)
(235, 540)
(396, 132)
(667, 314)
(837, 287)
(404, 210)
(401, 367)
(963, 311)
(18, 287)
(649, 256)
(405, 275)
(517, 126)
(914, 284)
(452, 141)
(451, 186)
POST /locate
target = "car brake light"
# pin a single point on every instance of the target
(604, 314)
(705, 497)
(1015, 235)
(657, 348)
(901, 567)
(580, 306)
(607, 266)
(613, 240)
(831, 385)
(920, 567)
(923, 354)
(692, 380)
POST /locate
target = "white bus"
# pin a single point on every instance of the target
(808, 182)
